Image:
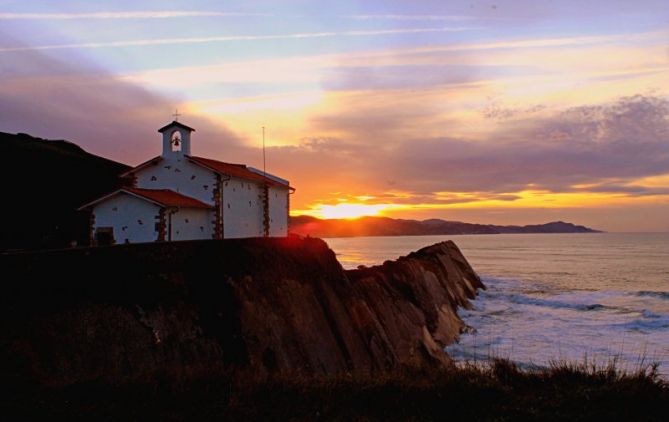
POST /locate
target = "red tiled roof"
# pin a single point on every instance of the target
(162, 197)
(236, 170)
(153, 161)
(168, 198)
(175, 123)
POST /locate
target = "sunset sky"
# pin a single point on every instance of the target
(505, 112)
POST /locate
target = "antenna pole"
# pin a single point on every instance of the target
(265, 191)
(263, 152)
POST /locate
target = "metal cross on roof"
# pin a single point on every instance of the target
(176, 115)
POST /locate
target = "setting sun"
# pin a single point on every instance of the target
(346, 210)
(214, 197)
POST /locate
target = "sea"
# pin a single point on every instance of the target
(592, 298)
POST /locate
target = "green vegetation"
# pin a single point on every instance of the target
(496, 392)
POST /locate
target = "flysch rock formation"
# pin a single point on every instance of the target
(132, 313)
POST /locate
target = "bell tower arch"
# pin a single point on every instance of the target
(176, 139)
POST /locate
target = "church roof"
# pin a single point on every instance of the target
(160, 197)
(153, 161)
(235, 170)
(173, 124)
(168, 198)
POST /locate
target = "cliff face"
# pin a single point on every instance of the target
(255, 306)
(414, 302)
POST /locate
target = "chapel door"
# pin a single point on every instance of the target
(104, 236)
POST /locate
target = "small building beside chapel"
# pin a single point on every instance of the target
(179, 196)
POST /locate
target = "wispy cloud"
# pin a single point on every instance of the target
(229, 38)
(410, 17)
(429, 62)
(166, 14)
(52, 105)
(158, 14)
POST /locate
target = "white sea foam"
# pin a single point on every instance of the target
(554, 297)
(534, 329)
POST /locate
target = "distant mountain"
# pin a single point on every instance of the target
(44, 181)
(383, 226)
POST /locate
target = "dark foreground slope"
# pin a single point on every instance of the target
(261, 306)
(268, 329)
(44, 182)
(499, 392)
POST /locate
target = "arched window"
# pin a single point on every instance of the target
(175, 141)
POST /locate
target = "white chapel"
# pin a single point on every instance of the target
(179, 196)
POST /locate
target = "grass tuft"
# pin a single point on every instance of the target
(498, 390)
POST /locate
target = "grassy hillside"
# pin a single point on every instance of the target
(44, 182)
(498, 392)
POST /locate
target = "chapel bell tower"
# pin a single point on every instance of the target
(176, 139)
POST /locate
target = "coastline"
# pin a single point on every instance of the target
(260, 306)
(430, 390)
(554, 296)
(476, 234)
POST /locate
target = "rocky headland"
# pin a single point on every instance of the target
(304, 225)
(259, 307)
(271, 329)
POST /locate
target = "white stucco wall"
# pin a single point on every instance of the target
(242, 199)
(179, 175)
(192, 224)
(278, 211)
(242, 209)
(130, 217)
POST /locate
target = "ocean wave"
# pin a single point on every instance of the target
(645, 324)
(659, 295)
(648, 314)
(526, 300)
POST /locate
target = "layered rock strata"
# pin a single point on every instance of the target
(255, 306)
